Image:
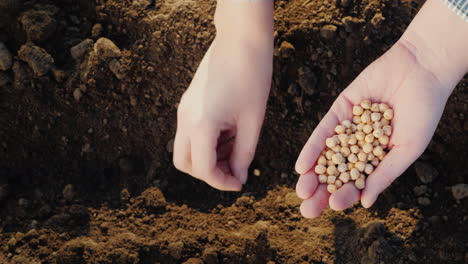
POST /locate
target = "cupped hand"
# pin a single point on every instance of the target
(415, 78)
(220, 115)
(417, 97)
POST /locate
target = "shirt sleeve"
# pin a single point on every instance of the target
(460, 7)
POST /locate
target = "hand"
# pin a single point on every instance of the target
(415, 80)
(226, 100)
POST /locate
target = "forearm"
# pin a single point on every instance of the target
(245, 20)
(438, 38)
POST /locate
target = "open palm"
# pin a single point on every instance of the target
(414, 93)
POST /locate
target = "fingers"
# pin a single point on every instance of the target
(392, 166)
(314, 206)
(345, 197)
(316, 143)
(205, 161)
(306, 185)
(248, 131)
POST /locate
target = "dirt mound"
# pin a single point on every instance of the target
(88, 98)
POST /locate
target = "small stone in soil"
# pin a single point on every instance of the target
(116, 68)
(105, 48)
(86, 148)
(37, 58)
(346, 3)
(377, 20)
(349, 24)
(420, 190)
(133, 100)
(59, 75)
(23, 203)
(11, 243)
(286, 49)
(142, 3)
(22, 74)
(38, 24)
(96, 31)
(175, 249)
(425, 172)
(79, 50)
(328, 31)
(210, 256)
(424, 201)
(460, 191)
(77, 94)
(125, 195)
(170, 146)
(435, 219)
(68, 192)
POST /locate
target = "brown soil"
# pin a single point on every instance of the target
(86, 137)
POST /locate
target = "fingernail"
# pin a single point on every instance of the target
(366, 203)
(243, 176)
(239, 174)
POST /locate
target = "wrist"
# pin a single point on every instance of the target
(438, 38)
(247, 22)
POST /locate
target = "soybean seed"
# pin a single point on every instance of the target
(367, 148)
(388, 114)
(320, 169)
(383, 107)
(378, 133)
(323, 178)
(354, 149)
(366, 104)
(362, 156)
(369, 138)
(360, 166)
(352, 158)
(338, 184)
(344, 177)
(340, 129)
(342, 167)
(367, 129)
(346, 123)
(357, 110)
(330, 142)
(360, 183)
(383, 140)
(378, 151)
(355, 174)
(338, 158)
(376, 117)
(368, 169)
(331, 188)
(322, 160)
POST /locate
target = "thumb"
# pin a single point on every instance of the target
(248, 131)
(392, 166)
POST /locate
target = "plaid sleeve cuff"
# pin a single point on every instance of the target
(460, 7)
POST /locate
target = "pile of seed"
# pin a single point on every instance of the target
(357, 148)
